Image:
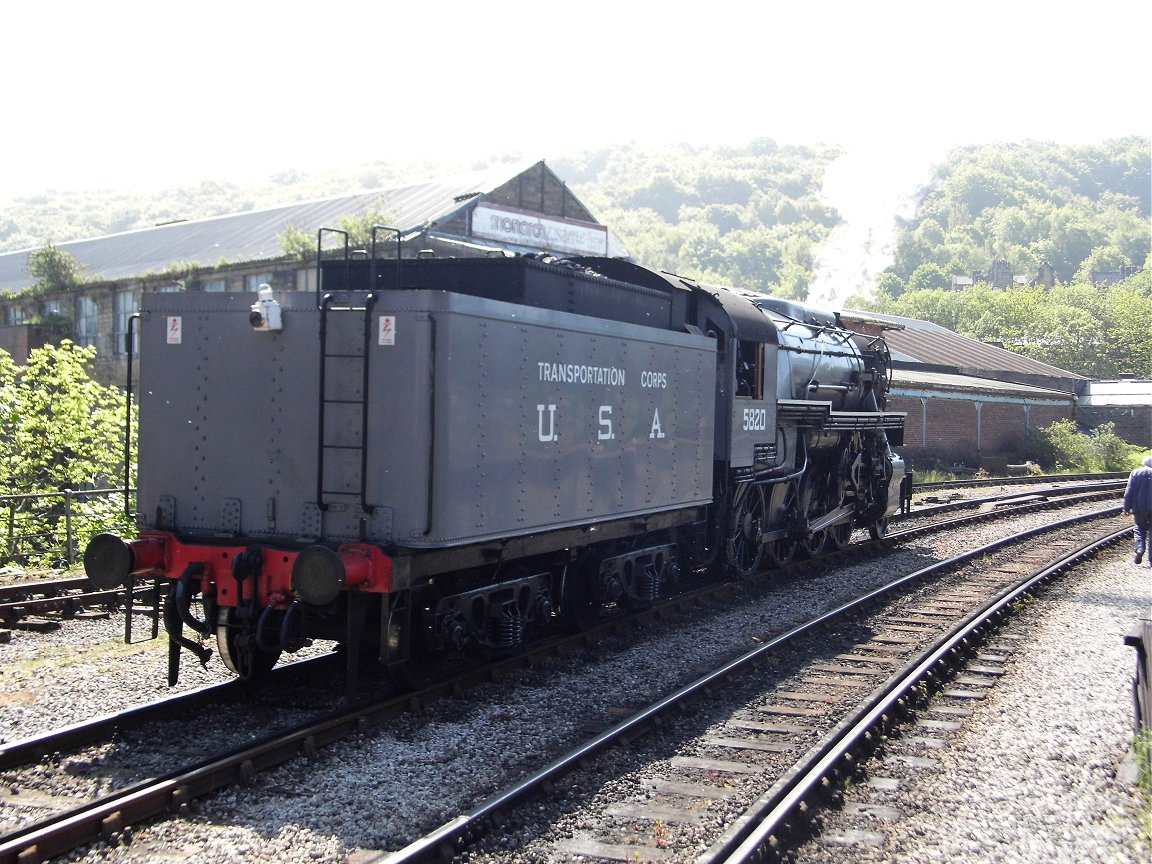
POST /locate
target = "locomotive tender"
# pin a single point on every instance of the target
(437, 456)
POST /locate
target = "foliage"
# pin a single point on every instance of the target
(301, 245)
(73, 215)
(1062, 447)
(1078, 209)
(1098, 333)
(754, 216)
(59, 429)
(54, 270)
(297, 244)
(749, 216)
(361, 229)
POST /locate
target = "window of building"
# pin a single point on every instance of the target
(127, 305)
(306, 279)
(170, 288)
(14, 315)
(252, 283)
(87, 317)
(215, 285)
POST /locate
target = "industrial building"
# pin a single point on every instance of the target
(967, 403)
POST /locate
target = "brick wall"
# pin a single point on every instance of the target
(538, 190)
(1133, 422)
(1004, 429)
(965, 431)
(19, 339)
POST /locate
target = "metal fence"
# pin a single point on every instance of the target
(45, 529)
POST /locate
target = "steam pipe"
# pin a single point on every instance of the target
(174, 626)
(183, 598)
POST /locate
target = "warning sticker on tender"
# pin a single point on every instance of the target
(387, 330)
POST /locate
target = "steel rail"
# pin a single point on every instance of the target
(796, 790)
(1024, 480)
(58, 834)
(23, 751)
(449, 838)
(15, 610)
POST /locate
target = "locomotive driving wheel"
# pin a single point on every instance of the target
(835, 497)
(840, 534)
(813, 541)
(746, 530)
(239, 648)
(780, 553)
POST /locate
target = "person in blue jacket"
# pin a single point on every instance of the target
(1138, 502)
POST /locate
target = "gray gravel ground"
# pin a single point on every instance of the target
(1032, 776)
(375, 791)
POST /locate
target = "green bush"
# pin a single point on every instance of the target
(59, 429)
(1062, 447)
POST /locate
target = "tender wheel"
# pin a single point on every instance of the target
(410, 664)
(697, 553)
(239, 648)
(580, 604)
(419, 672)
(745, 530)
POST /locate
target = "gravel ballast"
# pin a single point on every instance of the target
(1037, 772)
(377, 790)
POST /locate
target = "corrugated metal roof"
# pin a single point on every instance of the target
(931, 344)
(905, 380)
(254, 236)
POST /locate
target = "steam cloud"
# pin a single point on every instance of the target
(871, 187)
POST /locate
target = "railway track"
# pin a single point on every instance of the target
(108, 818)
(45, 604)
(1025, 480)
(98, 729)
(742, 778)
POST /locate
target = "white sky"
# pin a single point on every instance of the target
(132, 94)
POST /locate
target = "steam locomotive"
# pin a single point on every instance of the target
(441, 456)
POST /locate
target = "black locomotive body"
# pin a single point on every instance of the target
(440, 456)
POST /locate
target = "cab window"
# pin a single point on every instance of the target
(750, 371)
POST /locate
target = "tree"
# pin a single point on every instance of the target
(55, 271)
(929, 276)
(1100, 334)
(1102, 259)
(1128, 311)
(360, 229)
(301, 245)
(297, 244)
(1031, 203)
(59, 429)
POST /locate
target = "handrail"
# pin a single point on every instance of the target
(128, 509)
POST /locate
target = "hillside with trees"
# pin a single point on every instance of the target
(1077, 209)
(754, 216)
(1081, 213)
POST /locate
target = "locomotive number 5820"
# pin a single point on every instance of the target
(755, 419)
